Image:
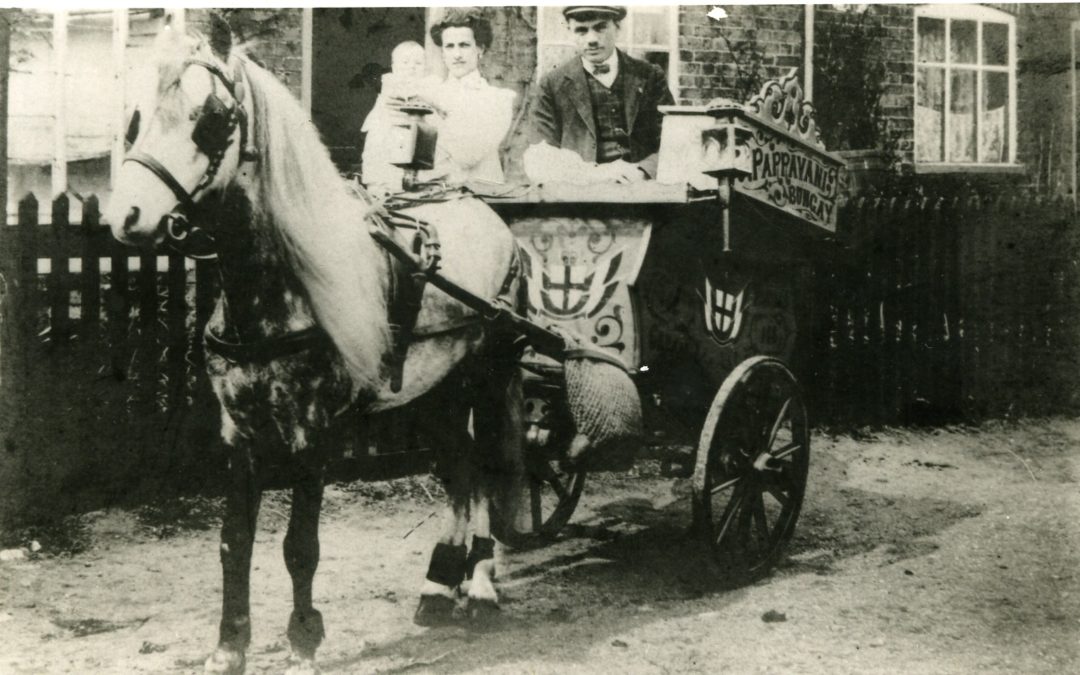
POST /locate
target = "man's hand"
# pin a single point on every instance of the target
(621, 171)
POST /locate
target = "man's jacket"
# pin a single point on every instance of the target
(562, 112)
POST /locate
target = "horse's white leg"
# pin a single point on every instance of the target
(483, 600)
(301, 559)
(446, 569)
(237, 535)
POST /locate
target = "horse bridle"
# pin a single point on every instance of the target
(216, 124)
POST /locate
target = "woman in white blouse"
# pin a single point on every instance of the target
(473, 116)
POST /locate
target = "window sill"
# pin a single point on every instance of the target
(970, 168)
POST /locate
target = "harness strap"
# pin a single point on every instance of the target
(543, 340)
(595, 355)
(266, 349)
(158, 169)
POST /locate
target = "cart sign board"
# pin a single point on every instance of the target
(770, 146)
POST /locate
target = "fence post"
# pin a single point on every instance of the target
(91, 271)
(59, 323)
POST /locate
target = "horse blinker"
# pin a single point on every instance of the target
(214, 126)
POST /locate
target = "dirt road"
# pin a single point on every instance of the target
(918, 552)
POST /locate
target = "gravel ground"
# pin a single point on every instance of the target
(944, 551)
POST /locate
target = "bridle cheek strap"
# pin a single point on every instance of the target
(158, 169)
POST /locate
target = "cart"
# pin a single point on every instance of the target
(702, 293)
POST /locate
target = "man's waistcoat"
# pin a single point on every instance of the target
(609, 110)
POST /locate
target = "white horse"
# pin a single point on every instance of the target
(300, 333)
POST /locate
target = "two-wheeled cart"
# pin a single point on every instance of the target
(698, 283)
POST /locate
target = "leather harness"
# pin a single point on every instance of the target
(413, 264)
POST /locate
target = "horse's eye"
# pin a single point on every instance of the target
(132, 129)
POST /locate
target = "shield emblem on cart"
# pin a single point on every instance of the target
(569, 291)
(723, 312)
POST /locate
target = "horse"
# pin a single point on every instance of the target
(300, 333)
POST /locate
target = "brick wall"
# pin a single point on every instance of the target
(273, 36)
(731, 57)
(898, 100)
(1044, 105)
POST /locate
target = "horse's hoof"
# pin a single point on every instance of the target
(483, 614)
(225, 662)
(434, 610)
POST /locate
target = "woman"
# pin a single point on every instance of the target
(472, 115)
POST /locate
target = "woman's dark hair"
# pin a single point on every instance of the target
(464, 17)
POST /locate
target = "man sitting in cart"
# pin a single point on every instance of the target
(595, 117)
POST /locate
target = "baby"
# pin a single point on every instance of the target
(407, 68)
(406, 78)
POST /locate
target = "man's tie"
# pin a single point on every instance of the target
(601, 69)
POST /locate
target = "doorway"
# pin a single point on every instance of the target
(350, 52)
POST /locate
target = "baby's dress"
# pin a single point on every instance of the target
(376, 169)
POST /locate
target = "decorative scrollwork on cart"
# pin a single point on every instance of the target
(781, 103)
(609, 330)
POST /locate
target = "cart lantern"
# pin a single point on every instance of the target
(724, 154)
(767, 150)
(413, 142)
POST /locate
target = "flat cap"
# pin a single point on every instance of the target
(616, 13)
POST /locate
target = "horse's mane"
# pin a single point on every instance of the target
(318, 223)
(322, 226)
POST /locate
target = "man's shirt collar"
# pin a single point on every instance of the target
(608, 78)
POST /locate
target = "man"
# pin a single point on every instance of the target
(594, 118)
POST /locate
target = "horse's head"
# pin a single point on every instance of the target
(189, 140)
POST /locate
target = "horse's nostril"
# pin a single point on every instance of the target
(132, 217)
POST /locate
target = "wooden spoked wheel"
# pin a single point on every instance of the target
(752, 463)
(552, 487)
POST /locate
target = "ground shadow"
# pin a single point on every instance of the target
(630, 564)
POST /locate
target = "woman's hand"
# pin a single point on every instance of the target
(415, 99)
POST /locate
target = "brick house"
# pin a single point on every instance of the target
(882, 76)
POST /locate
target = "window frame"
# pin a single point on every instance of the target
(980, 15)
(626, 30)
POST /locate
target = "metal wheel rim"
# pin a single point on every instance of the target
(763, 499)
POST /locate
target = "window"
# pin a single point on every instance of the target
(59, 62)
(965, 86)
(649, 33)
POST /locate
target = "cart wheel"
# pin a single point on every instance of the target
(752, 462)
(553, 488)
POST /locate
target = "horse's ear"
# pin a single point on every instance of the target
(220, 36)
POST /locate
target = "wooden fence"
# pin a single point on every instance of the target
(948, 307)
(937, 308)
(103, 393)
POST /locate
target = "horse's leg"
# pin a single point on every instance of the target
(237, 535)
(448, 424)
(499, 461)
(301, 559)
(446, 569)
